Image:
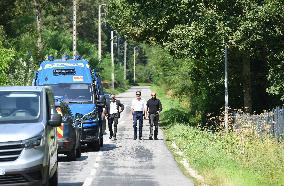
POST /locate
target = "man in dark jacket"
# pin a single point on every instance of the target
(154, 107)
(113, 109)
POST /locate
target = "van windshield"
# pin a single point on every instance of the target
(21, 107)
(73, 93)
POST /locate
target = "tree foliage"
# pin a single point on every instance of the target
(194, 35)
(24, 23)
(184, 48)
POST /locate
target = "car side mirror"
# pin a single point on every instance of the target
(55, 120)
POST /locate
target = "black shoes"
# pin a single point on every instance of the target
(114, 138)
(150, 138)
(155, 138)
(140, 138)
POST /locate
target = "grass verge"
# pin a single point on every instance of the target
(222, 158)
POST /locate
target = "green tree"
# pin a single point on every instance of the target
(6, 57)
(195, 32)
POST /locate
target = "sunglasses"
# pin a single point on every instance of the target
(138, 95)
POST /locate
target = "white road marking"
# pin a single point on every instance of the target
(88, 181)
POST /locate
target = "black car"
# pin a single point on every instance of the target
(68, 134)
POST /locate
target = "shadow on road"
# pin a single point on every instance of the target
(159, 139)
(65, 159)
(71, 184)
(108, 147)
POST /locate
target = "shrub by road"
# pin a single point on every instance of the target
(241, 158)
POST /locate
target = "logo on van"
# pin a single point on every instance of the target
(78, 78)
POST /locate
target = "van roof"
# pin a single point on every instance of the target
(23, 88)
(64, 71)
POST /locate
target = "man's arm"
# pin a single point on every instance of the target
(132, 106)
(106, 110)
(144, 109)
(120, 105)
(147, 108)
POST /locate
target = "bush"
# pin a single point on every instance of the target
(222, 158)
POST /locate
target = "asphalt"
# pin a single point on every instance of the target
(125, 161)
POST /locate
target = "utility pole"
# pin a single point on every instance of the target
(100, 34)
(112, 62)
(226, 88)
(74, 28)
(134, 64)
(125, 52)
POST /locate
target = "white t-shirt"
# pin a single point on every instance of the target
(112, 107)
(138, 105)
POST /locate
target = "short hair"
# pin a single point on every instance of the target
(138, 92)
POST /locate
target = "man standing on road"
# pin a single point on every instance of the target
(113, 109)
(138, 108)
(154, 107)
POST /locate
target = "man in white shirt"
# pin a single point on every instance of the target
(138, 108)
(113, 110)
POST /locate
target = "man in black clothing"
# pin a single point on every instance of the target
(113, 110)
(154, 107)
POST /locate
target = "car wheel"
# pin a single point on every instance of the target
(78, 153)
(53, 181)
(72, 154)
(46, 176)
(96, 145)
(101, 141)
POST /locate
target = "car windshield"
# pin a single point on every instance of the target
(73, 93)
(21, 107)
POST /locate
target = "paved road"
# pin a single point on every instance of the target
(125, 161)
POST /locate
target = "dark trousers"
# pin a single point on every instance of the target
(154, 121)
(137, 115)
(112, 118)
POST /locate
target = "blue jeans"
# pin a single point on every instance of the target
(138, 115)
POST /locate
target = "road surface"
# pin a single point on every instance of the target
(125, 161)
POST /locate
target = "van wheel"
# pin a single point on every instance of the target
(96, 145)
(72, 154)
(53, 181)
(78, 152)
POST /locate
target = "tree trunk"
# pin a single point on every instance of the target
(37, 9)
(247, 92)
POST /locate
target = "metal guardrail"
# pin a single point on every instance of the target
(268, 122)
